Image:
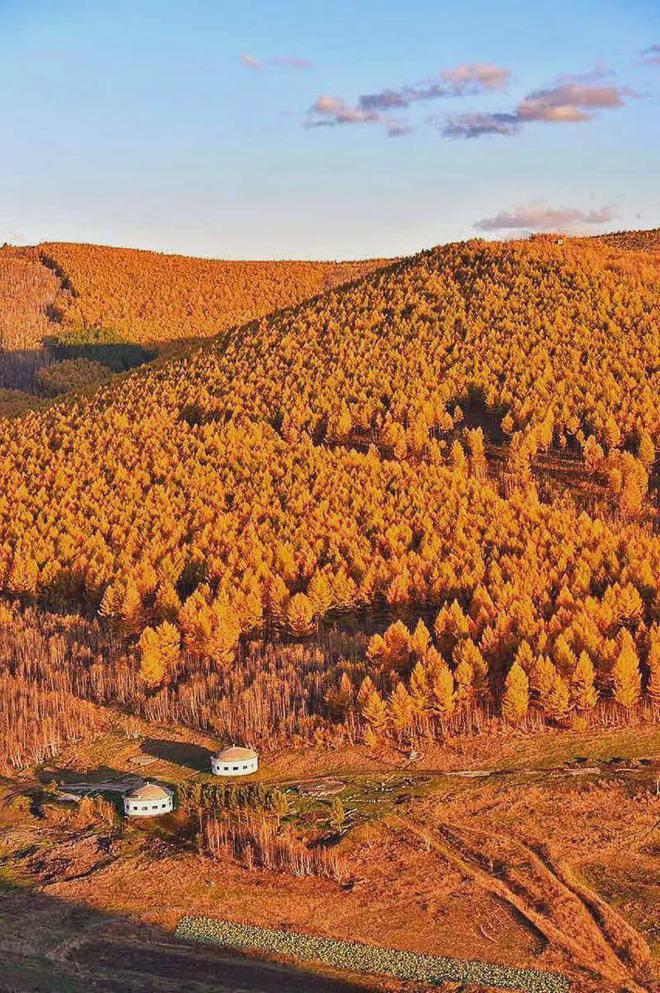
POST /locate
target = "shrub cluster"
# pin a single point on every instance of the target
(370, 959)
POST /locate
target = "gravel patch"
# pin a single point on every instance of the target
(360, 958)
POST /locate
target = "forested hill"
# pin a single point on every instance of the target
(149, 296)
(327, 458)
(646, 240)
(89, 294)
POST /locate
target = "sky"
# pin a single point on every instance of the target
(309, 129)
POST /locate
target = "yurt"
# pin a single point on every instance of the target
(234, 761)
(148, 800)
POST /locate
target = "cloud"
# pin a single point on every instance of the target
(466, 79)
(569, 102)
(250, 61)
(292, 61)
(477, 125)
(327, 111)
(651, 55)
(289, 61)
(571, 99)
(462, 80)
(538, 216)
(395, 129)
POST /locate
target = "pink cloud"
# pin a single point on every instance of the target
(569, 102)
(289, 61)
(327, 111)
(292, 61)
(462, 80)
(476, 78)
(571, 99)
(541, 217)
(250, 61)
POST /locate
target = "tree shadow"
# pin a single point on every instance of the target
(183, 753)
(51, 944)
(19, 367)
(64, 776)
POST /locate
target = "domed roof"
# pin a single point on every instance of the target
(235, 753)
(149, 791)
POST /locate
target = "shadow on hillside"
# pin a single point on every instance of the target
(477, 414)
(47, 943)
(182, 753)
(19, 366)
(62, 776)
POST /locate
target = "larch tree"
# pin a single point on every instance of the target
(583, 692)
(419, 688)
(374, 712)
(627, 681)
(402, 711)
(556, 702)
(160, 651)
(300, 615)
(515, 701)
(443, 694)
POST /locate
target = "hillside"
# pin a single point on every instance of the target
(67, 303)
(637, 241)
(148, 296)
(289, 470)
(400, 539)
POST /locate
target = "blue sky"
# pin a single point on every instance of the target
(325, 129)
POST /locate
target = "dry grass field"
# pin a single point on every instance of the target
(524, 866)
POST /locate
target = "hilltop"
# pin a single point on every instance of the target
(60, 288)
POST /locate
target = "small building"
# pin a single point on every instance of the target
(234, 761)
(148, 800)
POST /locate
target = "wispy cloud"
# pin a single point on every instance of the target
(250, 61)
(328, 111)
(476, 125)
(289, 61)
(468, 79)
(292, 61)
(463, 80)
(651, 55)
(571, 99)
(538, 216)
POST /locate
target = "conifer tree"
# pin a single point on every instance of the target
(653, 687)
(542, 677)
(420, 692)
(401, 709)
(464, 676)
(319, 592)
(442, 688)
(646, 450)
(374, 712)
(627, 680)
(300, 615)
(23, 575)
(421, 640)
(339, 699)
(583, 691)
(556, 703)
(364, 692)
(159, 653)
(515, 701)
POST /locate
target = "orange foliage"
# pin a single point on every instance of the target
(302, 466)
(148, 296)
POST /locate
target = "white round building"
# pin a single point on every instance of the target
(234, 761)
(148, 800)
